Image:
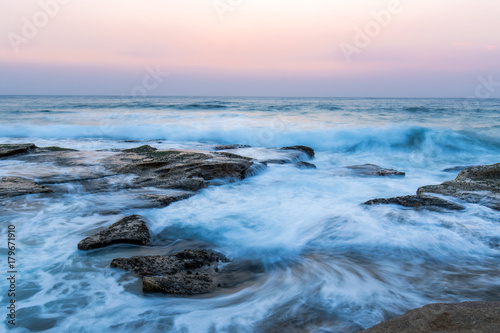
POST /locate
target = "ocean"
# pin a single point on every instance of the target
(323, 262)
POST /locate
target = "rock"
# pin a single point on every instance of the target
(305, 165)
(415, 201)
(130, 230)
(309, 151)
(479, 184)
(54, 148)
(164, 200)
(14, 186)
(374, 170)
(226, 147)
(15, 149)
(179, 169)
(480, 317)
(458, 168)
(183, 273)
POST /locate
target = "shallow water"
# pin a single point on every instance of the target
(321, 262)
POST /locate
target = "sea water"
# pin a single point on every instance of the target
(321, 261)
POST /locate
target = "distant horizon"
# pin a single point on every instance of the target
(249, 96)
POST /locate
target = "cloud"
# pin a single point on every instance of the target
(491, 47)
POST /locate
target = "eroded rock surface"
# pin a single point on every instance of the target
(178, 169)
(129, 230)
(479, 184)
(374, 170)
(473, 317)
(15, 149)
(15, 186)
(188, 272)
(415, 201)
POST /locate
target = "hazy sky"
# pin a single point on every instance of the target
(372, 48)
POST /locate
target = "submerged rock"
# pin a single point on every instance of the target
(415, 201)
(164, 200)
(15, 149)
(479, 184)
(129, 230)
(226, 147)
(374, 170)
(183, 273)
(478, 317)
(305, 165)
(15, 186)
(309, 151)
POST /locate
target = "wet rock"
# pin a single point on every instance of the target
(183, 273)
(415, 201)
(305, 165)
(54, 148)
(458, 168)
(478, 317)
(479, 184)
(129, 230)
(15, 149)
(226, 147)
(179, 169)
(374, 170)
(14, 186)
(164, 200)
(309, 151)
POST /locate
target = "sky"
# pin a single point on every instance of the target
(354, 48)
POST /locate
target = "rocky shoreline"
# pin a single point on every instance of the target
(180, 174)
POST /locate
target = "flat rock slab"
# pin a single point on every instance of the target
(15, 149)
(374, 170)
(479, 184)
(178, 169)
(471, 317)
(15, 186)
(415, 201)
(129, 230)
(183, 273)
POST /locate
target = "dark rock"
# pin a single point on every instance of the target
(54, 148)
(163, 200)
(309, 151)
(305, 165)
(226, 147)
(414, 201)
(374, 170)
(479, 184)
(130, 230)
(480, 317)
(14, 186)
(457, 168)
(15, 149)
(277, 161)
(141, 150)
(183, 273)
(178, 169)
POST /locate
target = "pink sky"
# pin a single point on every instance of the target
(254, 47)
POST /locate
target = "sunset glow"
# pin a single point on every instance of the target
(252, 47)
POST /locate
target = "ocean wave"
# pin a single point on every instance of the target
(423, 109)
(434, 141)
(328, 107)
(147, 105)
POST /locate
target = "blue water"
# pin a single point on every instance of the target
(328, 264)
